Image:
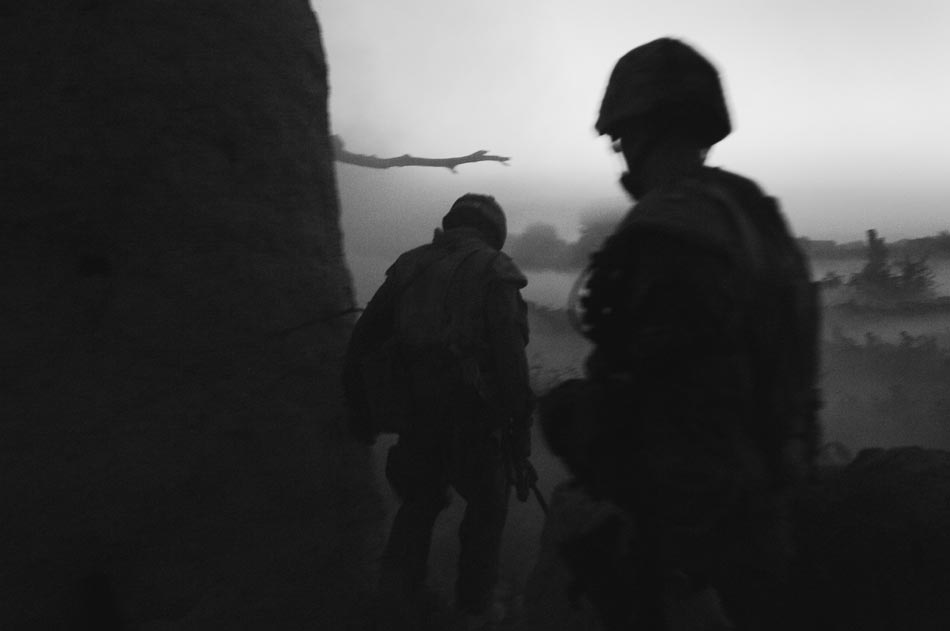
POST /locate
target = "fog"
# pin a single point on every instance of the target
(838, 110)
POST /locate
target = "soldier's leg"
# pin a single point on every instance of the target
(406, 557)
(417, 478)
(483, 483)
(401, 596)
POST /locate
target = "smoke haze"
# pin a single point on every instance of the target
(838, 109)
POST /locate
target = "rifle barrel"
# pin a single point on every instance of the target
(540, 498)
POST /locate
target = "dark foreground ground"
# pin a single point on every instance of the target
(874, 535)
(875, 532)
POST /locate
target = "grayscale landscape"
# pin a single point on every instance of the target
(197, 199)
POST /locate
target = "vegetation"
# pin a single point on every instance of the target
(936, 246)
(909, 279)
(540, 247)
(882, 281)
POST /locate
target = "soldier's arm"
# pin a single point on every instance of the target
(507, 324)
(374, 326)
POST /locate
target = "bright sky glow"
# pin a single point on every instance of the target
(840, 108)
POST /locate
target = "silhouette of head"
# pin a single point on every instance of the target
(665, 83)
(660, 91)
(481, 212)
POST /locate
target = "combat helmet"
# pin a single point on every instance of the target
(479, 211)
(667, 79)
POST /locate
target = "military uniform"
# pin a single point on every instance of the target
(698, 413)
(456, 307)
(703, 318)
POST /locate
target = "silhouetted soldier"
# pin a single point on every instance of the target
(704, 323)
(452, 312)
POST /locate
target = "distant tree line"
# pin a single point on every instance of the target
(539, 247)
(937, 246)
(882, 279)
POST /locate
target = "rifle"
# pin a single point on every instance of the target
(538, 496)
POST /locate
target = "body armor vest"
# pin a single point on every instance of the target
(778, 302)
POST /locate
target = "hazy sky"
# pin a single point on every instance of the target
(839, 107)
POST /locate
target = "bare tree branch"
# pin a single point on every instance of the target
(340, 154)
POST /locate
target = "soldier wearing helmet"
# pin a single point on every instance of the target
(703, 319)
(454, 310)
(660, 94)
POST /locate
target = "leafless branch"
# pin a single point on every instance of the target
(340, 154)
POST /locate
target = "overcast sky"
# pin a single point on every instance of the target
(839, 107)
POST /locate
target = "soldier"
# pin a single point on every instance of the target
(453, 311)
(700, 398)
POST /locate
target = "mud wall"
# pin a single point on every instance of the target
(173, 295)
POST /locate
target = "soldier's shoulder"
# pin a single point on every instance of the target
(680, 215)
(409, 261)
(503, 268)
(743, 186)
(690, 210)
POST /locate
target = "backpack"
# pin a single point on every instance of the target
(429, 350)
